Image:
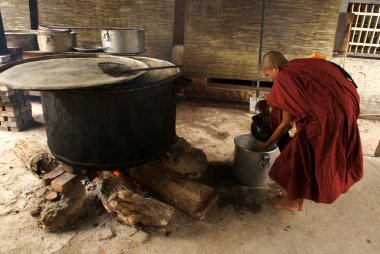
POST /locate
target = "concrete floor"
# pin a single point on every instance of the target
(242, 222)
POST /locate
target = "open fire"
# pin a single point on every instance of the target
(145, 196)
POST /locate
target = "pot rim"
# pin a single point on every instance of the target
(20, 32)
(122, 29)
(268, 151)
(64, 55)
(56, 34)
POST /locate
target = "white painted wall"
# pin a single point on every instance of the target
(366, 73)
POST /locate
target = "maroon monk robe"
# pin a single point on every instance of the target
(324, 158)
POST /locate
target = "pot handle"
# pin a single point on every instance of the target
(106, 36)
(49, 40)
(264, 161)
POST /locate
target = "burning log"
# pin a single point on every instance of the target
(118, 195)
(34, 155)
(194, 198)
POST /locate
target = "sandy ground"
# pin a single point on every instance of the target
(242, 222)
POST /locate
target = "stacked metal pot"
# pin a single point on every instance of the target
(130, 41)
(55, 40)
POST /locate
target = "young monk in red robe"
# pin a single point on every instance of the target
(324, 158)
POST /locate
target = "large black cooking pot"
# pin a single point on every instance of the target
(113, 127)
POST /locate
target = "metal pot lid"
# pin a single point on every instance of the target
(65, 71)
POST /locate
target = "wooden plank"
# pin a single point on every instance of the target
(64, 182)
(49, 177)
(156, 17)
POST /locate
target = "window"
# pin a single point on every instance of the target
(364, 36)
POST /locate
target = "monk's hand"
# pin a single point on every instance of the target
(262, 145)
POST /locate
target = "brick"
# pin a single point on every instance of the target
(24, 115)
(27, 121)
(18, 123)
(49, 177)
(14, 129)
(64, 182)
(20, 106)
(15, 100)
(13, 111)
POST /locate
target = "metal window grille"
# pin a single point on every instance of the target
(365, 29)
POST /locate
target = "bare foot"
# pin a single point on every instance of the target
(284, 203)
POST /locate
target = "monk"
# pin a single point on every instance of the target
(324, 158)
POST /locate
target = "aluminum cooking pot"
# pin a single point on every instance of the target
(251, 165)
(56, 41)
(129, 41)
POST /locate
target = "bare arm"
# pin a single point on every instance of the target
(280, 131)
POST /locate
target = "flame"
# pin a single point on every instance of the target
(131, 176)
(133, 179)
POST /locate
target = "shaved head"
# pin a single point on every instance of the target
(274, 58)
(273, 62)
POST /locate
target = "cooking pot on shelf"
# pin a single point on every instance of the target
(128, 41)
(56, 40)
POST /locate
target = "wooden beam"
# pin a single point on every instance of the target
(3, 41)
(33, 10)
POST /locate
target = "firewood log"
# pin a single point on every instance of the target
(118, 196)
(34, 155)
(192, 197)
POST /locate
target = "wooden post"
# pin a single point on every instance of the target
(3, 41)
(33, 10)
